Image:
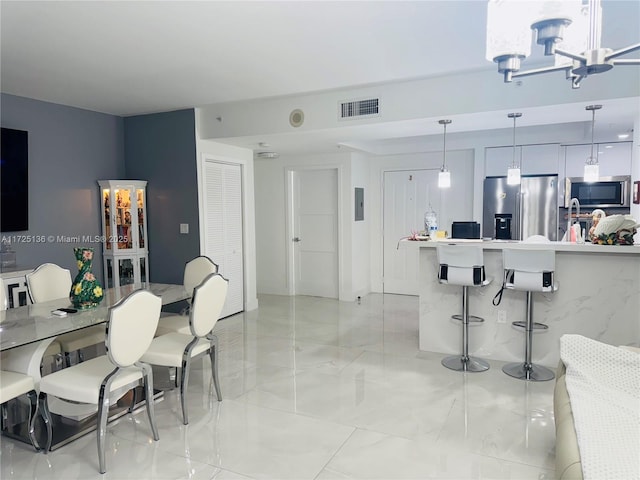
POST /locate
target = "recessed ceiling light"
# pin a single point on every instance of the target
(623, 136)
(608, 146)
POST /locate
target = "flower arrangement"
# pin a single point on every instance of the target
(615, 230)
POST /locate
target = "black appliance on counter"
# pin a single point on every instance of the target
(503, 226)
(465, 230)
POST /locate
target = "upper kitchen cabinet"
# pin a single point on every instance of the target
(533, 159)
(614, 158)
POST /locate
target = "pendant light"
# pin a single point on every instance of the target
(444, 177)
(591, 167)
(513, 172)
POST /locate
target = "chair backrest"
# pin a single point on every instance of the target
(48, 282)
(3, 298)
(533, 270)
(196, 270)
(131, 326)
(461, 264)
(206, 304)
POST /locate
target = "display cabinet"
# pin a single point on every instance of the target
(125, 251)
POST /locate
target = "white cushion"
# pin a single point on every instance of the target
(173, 323)
(167, 350)
(81, 383)
(72, 341)
(13, 385)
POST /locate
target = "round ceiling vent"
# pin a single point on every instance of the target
(296, 118)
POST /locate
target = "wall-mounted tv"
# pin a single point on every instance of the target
(14, 180)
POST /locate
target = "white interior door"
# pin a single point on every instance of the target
(224, 230)
(407, 195)
(315, 232)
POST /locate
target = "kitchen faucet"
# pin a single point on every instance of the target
(577, 204)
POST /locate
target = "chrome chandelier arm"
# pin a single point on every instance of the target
(623, 51)
(573, 56)
(536, 71)
(624, 61)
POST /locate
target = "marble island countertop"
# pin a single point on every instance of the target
(557, 246)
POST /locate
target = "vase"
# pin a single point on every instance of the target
(86, 291)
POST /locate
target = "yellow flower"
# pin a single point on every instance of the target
(79, 264)
(97, 291)
(78, 288)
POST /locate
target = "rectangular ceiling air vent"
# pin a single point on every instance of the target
(359, 108)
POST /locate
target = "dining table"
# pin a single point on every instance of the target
(27, 331)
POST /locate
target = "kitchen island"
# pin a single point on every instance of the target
(598, 297)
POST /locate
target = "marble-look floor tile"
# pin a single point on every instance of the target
(319, 389)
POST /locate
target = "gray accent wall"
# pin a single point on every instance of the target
(69, 150)
(161, 149)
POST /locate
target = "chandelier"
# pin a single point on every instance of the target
(570, 30)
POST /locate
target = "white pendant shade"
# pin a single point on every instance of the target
(591, 172)
(508, 29)
(576, 35)
(444, 179)
(513, 176)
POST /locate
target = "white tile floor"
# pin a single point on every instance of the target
(319, 389)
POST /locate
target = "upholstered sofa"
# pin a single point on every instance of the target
(568, 462)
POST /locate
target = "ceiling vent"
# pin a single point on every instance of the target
(267, 155)
(359, 108)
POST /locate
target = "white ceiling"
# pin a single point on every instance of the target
(135, 57)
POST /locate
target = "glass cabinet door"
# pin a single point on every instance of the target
(123, 221)
(141, 215)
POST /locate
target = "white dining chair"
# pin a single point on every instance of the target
(195, 271)
(178, 349)
(51, 282)
(14, 385)
(103, 380)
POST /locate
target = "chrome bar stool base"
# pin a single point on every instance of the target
(472, 318)
(460, 364)
(522, 371)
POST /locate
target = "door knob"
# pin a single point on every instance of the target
(296, 239)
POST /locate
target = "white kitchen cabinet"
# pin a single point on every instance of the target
(614, 158)
(124, 228)
(533, 159)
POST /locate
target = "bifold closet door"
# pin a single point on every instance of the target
(223, 227)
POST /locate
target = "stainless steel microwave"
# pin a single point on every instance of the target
(606, 192)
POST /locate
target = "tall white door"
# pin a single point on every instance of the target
(407, 195)
(314, 232)
(223, 226)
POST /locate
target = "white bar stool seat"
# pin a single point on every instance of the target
(463, 265)
(529, 271)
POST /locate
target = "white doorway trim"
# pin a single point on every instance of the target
(248, 219)
(289, 198)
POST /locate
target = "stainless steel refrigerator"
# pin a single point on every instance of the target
(533, 205)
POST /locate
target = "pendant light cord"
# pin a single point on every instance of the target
(444, 147)
(593, 127)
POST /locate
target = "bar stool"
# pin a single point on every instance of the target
(463, 265)
(529, 271)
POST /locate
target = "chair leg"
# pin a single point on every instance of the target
(150, 402)
(213, 354)
(463, 362)
(134, 399)
(46, 417)
(33, 400)
(184, 381)
(103, 413)
(527, 370)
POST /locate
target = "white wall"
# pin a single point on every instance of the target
(456, 202)
(208, 149)
(271, 222)
(361, 237)
(635, 170)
